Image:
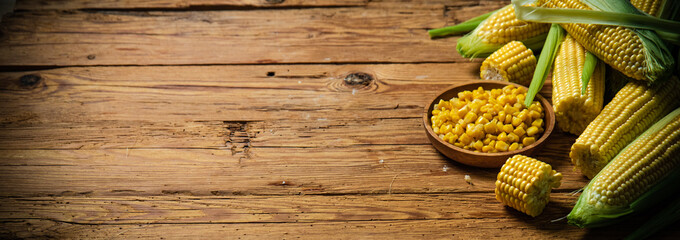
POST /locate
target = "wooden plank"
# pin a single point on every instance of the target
(464, 216)
(319, 35)
(216, 93)
(177, 4)
(363, 169)
(397, 229)
(32, 5)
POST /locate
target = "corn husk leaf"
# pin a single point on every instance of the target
(588, 69)
(463, 27)
(545, 61)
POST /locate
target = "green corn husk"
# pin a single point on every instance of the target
(474, 46)
(463, 27)
(588, 215)
(588, 69)
(545, 61)
(651, 30)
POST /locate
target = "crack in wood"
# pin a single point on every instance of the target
(238, 138)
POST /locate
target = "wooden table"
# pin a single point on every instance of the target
(246, 119)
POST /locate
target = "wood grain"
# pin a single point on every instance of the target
(177, 4)
(371, 169)
(319, 35)
(328, 139)
(400, 216)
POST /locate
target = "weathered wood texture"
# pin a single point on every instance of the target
(245, 119)
(397, 216)
(177, 4)
(381, 33)
(328, 137)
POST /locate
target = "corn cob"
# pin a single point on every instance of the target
(574, 111)
(638, 177)
(513, 62)
(524, 184)
(499, 29)
(634, 52)
(633, 109)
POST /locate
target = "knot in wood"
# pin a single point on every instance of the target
(358, 78)
(91, 57)
(30, 80)
(275, 1)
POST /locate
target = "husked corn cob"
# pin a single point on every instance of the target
(634, 108)
(619, 188)
(500, 28)
(622, 48)
(650, 7)
(524, 184)
(574, 111)
(513, 62)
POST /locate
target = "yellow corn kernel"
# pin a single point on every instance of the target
(512, 137)
(513, 147)
(524, 183)
(528, 141)
(470, 117)
(477, 131)
(516, 121)
(478, 145)
(501, 146)
(458, 130)
(508, 119)
(507, 128)
(465, 139)
(531, 131)
(486, 141)
(519, 131)
(491, 127)
(486, 149)
(503, 137)
(481, 120)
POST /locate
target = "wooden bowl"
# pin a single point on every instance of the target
(478, 159)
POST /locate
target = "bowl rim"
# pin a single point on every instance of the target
(547, 108)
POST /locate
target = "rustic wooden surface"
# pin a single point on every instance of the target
(246, 119)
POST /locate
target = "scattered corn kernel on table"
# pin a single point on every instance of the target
(250, 119)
